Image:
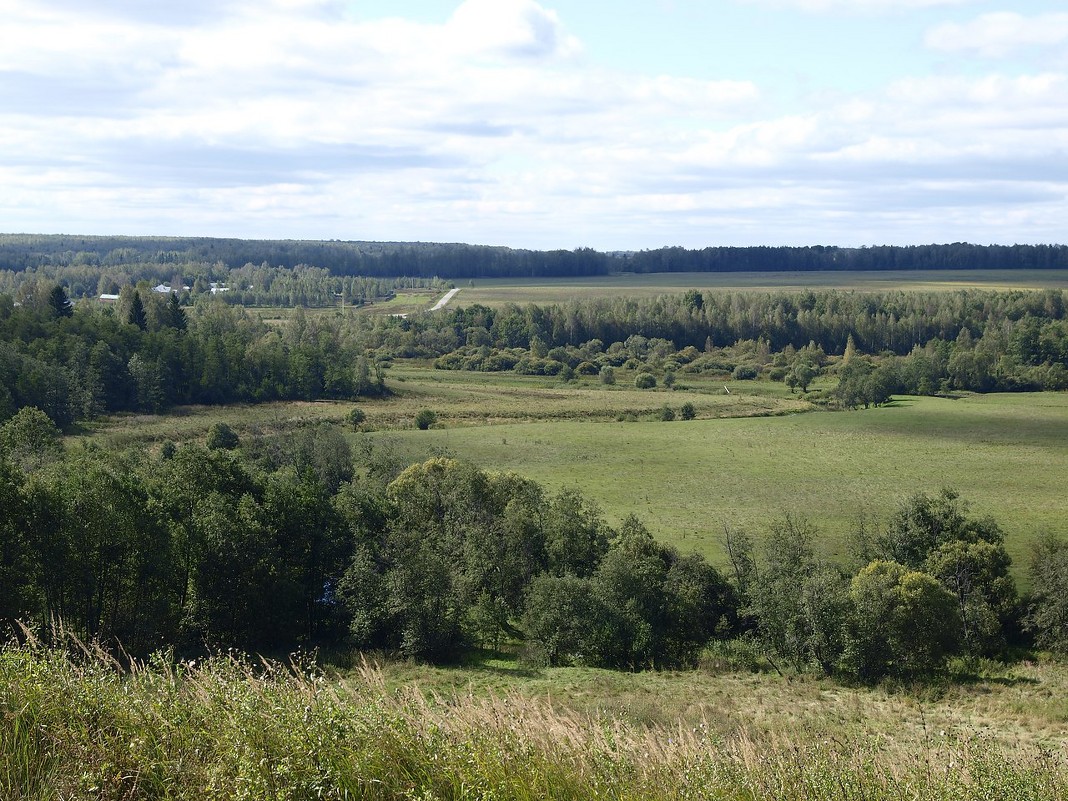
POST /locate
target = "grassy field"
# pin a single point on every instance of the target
(493, 292)
(1023, 705)
(81, 728)
(1006, 454)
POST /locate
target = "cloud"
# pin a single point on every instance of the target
(510, 28)
(822, 6)
(294, 118)
(998, 35)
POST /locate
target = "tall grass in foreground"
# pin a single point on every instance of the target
(75, 726)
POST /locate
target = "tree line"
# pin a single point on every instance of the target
(280, 542)
(148, 352)
(922, 343)
(52, 254)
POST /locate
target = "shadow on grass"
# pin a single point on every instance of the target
(498, 663)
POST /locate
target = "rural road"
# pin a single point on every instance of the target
(448, 296)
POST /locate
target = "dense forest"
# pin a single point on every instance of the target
(88, 266)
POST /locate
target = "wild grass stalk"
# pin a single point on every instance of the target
(75, 724)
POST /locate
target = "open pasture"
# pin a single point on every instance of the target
(493, 292)
(1006, 454)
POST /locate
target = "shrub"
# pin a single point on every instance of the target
(425, 419)
(745, 372)
(645, 381)
(687, 411)
(356, 418)
(608, 375)
(667, 414)
(222, 437)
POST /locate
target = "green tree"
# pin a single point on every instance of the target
(16, 560)
(977, 574)
(306, 537)
(356, 418)
(30, 438)
(174, 314)
(775, 590)
(425, 418)
(148, 381)
(699, 605)
(576, 536)
(136, 313)
(687, 411)
(566, 622)
(102, 551)
(629, 581)
(1047, 613)
(826, 608)
(644, 381)
(967, 555)
(801, 374)
(222, 437)
(853, 387)
(904, 624)
(59, 303)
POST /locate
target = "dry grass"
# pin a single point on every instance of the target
(76, 726)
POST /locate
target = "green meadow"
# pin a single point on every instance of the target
(1006, 454)
(493, 292)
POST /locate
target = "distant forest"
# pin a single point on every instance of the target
(89, 265)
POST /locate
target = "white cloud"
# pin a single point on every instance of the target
(289, 118)
(998, 35)
(822, 6)
(510, 28)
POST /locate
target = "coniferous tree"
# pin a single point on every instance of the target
(59, 303)
(136, 315)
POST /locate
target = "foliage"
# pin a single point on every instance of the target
(904, 623)
(1047, 615)
(356, 418)
(966, 555)
(425, 418)
(644, 381)
(775, 588)
(222, 437)
(30, 438)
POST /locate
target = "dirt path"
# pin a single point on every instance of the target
(448, 296)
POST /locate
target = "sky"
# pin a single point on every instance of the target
(538, 123)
